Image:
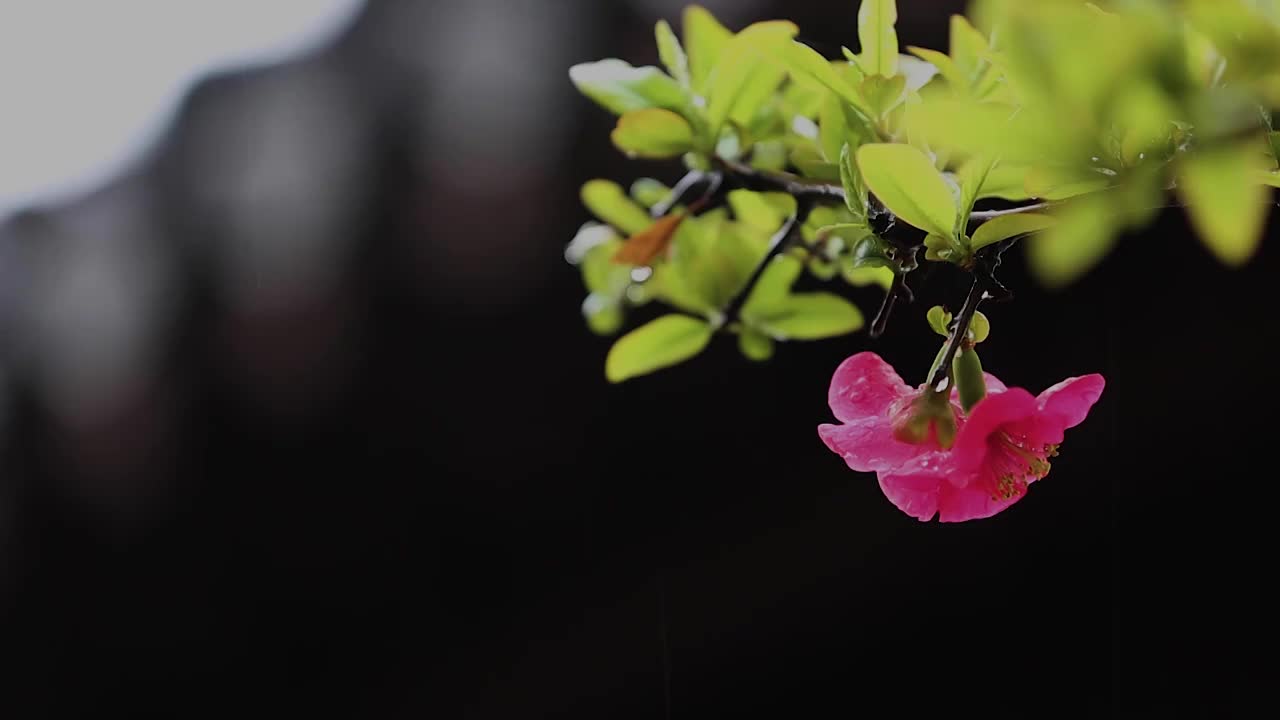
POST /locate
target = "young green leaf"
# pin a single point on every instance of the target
(833, 130)
(905, 180)
(810, 316)
(746, 73)
(755, 345)
(669, 340)
(1226, 205)
(855, 192)
(876, 19)
(649, 192)
(946, 67)
(971, 177)
(653, 133)
(806, 64)
(940, 320)
(774, 285)
(979, 328)
(604, 314)
(1060, 183)
(763, 211)
(672, 54)
(607, 201)
(1007, 226)
(704, 41)
(621, 88)
(884, 94)
(865, 276)
(1084, 233)
(1005, 181)
(809, 161)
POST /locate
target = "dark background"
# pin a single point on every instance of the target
(303, 419)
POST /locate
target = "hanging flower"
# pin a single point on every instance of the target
(885, 422)
(1003, 446)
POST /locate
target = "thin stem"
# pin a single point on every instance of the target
(959, 331)
(816, 189)
(985, 215)
(677, 194)
(777, 244)
(769, 180)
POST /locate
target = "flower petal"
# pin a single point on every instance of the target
(1071, 399)
(864, 386)
(868, 445)
(914, 493)
(960, 504)
(1011, 406)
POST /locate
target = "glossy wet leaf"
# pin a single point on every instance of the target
(1007, 226)
(905, 180)
(607, 201)
(1227, 207)
(672, 54)
(810, 316)
(879, 40)
(620, 88)
(704, 40)
(667, 341)
(653, 133)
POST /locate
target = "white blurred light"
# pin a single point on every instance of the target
(87, 85)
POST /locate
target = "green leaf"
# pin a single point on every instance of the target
(604, 314)
(755, 345)
(855, 192)
(905, 180)
(879, 40)
(940, 320)
(607, 201)
(1061, 183)
(971, 177)
(915, 72)
(944, 64)
(944, 249)
(805, 63)
(883, 94)
(769, 155)
(774, 285)
(1007, 226)
(833, 130)
(704, 40)
(979, 328)
(865, 276)
(621, 88)
(603, 276)
(672, 54)
(653, 133)
(667, 341)
(649, 192)
(746, 73)
(810, 316)
(764, 211)
(1005, 181)
(1084, 233)
(1227, 206)
(1268, 177)
(811, 164)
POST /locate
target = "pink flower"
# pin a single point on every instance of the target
(870, 399)
(1002, 447)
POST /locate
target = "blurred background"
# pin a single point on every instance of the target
(298, 412)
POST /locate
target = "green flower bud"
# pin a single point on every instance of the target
(967, 370)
